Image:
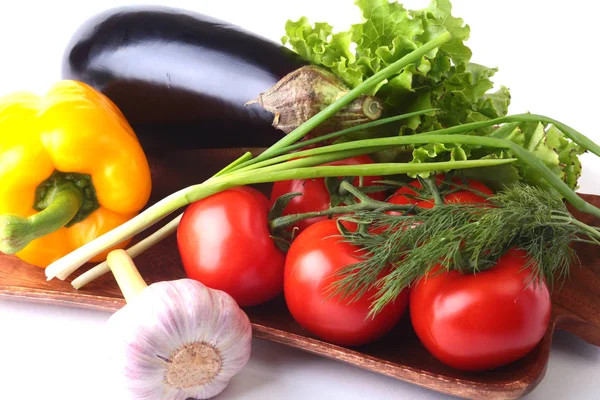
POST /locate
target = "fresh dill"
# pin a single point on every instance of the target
(462, 236)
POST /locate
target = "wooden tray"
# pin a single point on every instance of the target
(576, 307)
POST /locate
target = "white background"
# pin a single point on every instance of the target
(547, 55)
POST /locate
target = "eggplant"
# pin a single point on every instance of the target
(182, 79)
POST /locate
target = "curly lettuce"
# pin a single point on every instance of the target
(444, 78)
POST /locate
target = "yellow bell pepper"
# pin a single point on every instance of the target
(71, 169)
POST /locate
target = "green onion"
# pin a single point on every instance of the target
(273, 165)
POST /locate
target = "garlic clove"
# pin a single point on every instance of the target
(178, 340)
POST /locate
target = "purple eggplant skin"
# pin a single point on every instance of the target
(181, 79)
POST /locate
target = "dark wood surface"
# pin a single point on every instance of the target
(576, 305)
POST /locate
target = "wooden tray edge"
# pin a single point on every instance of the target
(425, 379)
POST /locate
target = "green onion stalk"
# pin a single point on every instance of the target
(277, 163)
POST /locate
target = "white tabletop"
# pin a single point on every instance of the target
(547, 55)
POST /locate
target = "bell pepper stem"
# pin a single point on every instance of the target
(16, 232)
(127, 275)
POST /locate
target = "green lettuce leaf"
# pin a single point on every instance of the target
(444, 78)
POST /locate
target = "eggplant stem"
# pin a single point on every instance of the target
(359, 90)
(372, 108)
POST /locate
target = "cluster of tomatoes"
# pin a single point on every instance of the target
(468, 321)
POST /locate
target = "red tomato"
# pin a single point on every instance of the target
(225, 243)
(481, 321)
(311, 262)
(459, 196)
(315, 196)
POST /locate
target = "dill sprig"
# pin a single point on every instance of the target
(463, 236)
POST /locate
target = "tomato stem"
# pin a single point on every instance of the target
(366, 204)
(363, 198)
(435, 192)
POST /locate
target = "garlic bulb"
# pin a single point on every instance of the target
(177, 340)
